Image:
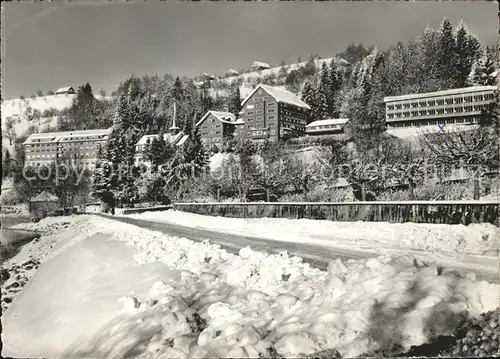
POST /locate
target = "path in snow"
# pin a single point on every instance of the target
(485, 267)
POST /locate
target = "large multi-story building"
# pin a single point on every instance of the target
(273, 113)
(214, 126)
(81, 146)
(436, 110)
(326, 127)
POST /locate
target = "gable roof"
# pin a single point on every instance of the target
(65, 89)
(45, 197)
(174, 140)
(260, 64)
(225, 117)
(280, 95)
(329, 121)
(66, 135)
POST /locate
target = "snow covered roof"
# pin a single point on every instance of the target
(67, 89)
(460, 174)
(341, 182)
(45, 197)
(65, 135)
(329, 121)
(232, 72)
(182, 140)
(226, 117)
(280, 95)
(260, 64)
(172, 139)
(440, 93)
(207, 76)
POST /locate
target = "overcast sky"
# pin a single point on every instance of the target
(51, 45)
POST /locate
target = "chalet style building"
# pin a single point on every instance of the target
(66, 91)
(435, 110)
(174, 137)
(326, 127)
(177, 139)
(214, 126)
(232, 72)
(257, 66)
(81, 146)
(273, 113)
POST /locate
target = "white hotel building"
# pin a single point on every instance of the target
(82, 146)
(435, 111)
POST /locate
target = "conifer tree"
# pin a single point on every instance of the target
(446, 55)
(335, 83)
(235, 102)
(467, 49)
(483, 72)
(178, 90)
(307, 95)
(321, 103)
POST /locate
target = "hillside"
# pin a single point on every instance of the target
(249, 80)
(17, 112)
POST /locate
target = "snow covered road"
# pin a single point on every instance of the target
(485, 267)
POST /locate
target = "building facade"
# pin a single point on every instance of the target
(273, 113)
(463, 106)
(258, 65)
(326, 127)
(69, 90)
(175, 139)
(214, 126)
(80, 146)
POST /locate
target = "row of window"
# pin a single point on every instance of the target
(49, 145)
(440, 102)
(88, 164)
(260, 133)
(208, 133)
(215, 139)
(323, 127)
(438, 111)
(434, 122)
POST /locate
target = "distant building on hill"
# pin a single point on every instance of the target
(257, 66)
(326, 127)
(273, 113)
(83, 146)
(69, 90)
(214, 126)
(437, 111)
(232, 72)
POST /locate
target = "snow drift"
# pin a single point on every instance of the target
(210, 303)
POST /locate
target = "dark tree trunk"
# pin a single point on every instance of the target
(476, 188)
(411, 192)
(363, 192)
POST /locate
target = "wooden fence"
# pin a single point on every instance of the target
(449, 212)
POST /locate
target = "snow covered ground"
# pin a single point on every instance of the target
(455, 240)
(188, 299)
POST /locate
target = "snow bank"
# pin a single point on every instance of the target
(255, 304)
(453, 239)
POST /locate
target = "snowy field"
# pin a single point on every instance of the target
(456, 240)
(115, 290)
